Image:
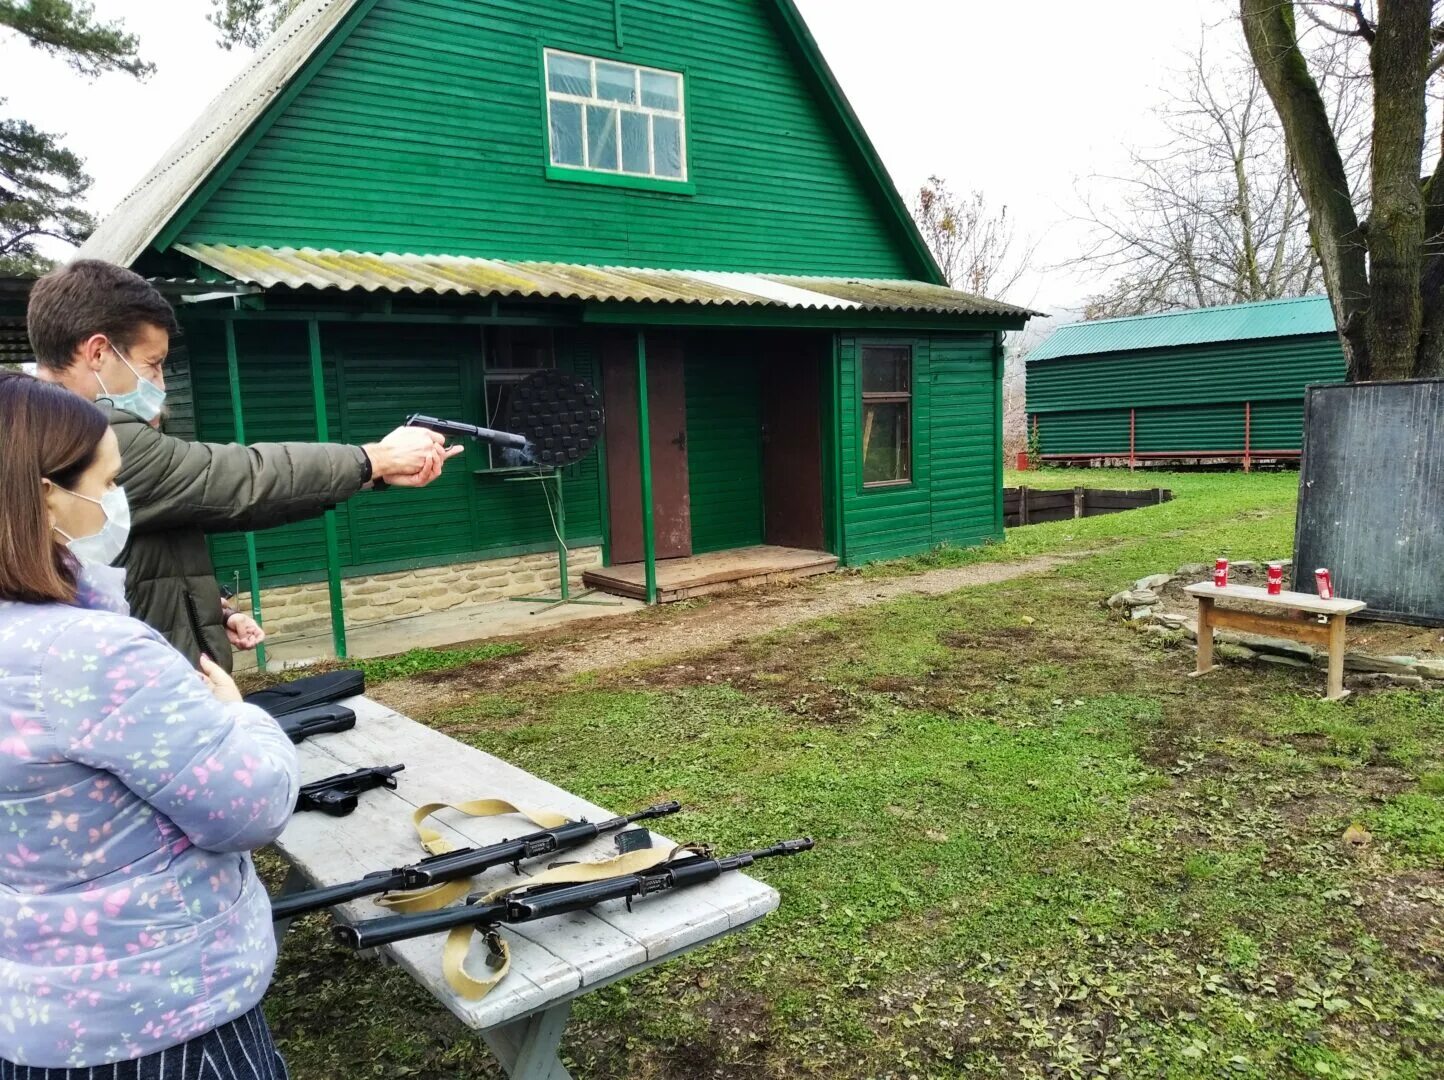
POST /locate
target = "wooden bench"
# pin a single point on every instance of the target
(553, 961)
(1300, 622)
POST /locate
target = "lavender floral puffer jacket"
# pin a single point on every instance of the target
(131, 918)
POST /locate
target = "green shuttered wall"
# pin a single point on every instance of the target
(956, 488)
(1188, 398)
(426, 133)
(374, 378)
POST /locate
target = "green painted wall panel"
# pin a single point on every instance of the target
(1269, 370)
(1275, 425)
(1187, 398)
(966, 480)
(383, 375)
(426, 133)
(724, 443)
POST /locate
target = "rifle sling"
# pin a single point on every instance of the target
(470, 987)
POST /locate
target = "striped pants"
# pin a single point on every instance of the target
(240, 1050)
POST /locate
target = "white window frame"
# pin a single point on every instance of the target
(619, 107)
(495, 351)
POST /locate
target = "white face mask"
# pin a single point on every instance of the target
(105, 546)
(145, 401)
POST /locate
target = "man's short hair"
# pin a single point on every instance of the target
(88, 297)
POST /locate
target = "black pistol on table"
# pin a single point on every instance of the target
(465, 863)
(337, 795)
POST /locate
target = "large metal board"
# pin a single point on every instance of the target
(1371, 496)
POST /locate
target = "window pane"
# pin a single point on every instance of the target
(667, 146)
(887, 370)
(636, 143)
(568, 75)
(567, 133)
(616, 83)
(661, 91)
(886, 443)
(602, 137)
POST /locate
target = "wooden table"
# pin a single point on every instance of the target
(553, 961)
(1299, 622)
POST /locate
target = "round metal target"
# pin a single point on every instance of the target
(559, 414)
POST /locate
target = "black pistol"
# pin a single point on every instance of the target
(337, 795)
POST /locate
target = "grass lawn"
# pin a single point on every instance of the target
(1042, 850)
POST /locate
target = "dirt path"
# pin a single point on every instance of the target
(678, 629)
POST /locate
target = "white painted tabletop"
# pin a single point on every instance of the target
(552, 960)
(1300, 600)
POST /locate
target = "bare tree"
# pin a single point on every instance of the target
(1213, 217)
(1380, 243)
(976, 246)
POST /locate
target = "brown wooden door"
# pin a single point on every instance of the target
(667, 405)
(792, 443)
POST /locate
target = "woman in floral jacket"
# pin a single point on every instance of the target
(134, 932)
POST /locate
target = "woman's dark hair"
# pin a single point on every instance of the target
(47, 432)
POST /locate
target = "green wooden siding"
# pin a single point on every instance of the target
(425, 132)
(1275, 425)
(180, 419)
(724, 444)
(956, 452)
(967, 480)
(1187, 398)
(374, 378)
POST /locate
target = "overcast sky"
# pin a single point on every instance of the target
(1021, 100)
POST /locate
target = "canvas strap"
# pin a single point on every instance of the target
(470, 987)
(435, 897)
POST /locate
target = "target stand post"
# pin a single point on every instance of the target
(559, 525)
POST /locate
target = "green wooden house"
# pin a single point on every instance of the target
(414, 203)
(1222, 384)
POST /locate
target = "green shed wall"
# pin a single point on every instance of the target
(724, 444)
(374, 378)
(1187, 398)
(425, 132)
(956, 488)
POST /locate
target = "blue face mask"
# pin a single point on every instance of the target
(105, 546)
(145, 401)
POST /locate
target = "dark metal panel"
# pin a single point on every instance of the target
(1371, 496)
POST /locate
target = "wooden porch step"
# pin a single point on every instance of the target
(699, 575)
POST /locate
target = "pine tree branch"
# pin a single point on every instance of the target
(68, 30)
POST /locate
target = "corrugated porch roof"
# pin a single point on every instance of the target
(387, 272)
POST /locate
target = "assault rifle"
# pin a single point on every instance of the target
(545, 901)
(465, 863)
(337, 795)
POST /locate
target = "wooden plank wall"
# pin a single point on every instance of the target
(1033, 506)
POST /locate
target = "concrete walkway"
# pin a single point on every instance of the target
(434, 630)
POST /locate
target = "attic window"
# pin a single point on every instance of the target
(618, 119)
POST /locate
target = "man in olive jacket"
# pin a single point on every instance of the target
(104, 332)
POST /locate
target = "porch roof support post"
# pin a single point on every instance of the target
(644, 440)
(238, 418)
(333, 544)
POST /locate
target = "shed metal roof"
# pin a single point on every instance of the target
(1235, 322)
(131, 227)
(298, 268)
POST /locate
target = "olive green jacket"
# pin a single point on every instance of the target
(180, 491)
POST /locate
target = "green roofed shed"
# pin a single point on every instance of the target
(1224, 383)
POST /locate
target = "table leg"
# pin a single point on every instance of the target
(527, 1048)
(1205, 635)
(1336, 658)
(295, 882)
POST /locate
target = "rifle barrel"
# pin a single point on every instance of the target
(302, 903)
(374, 933)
